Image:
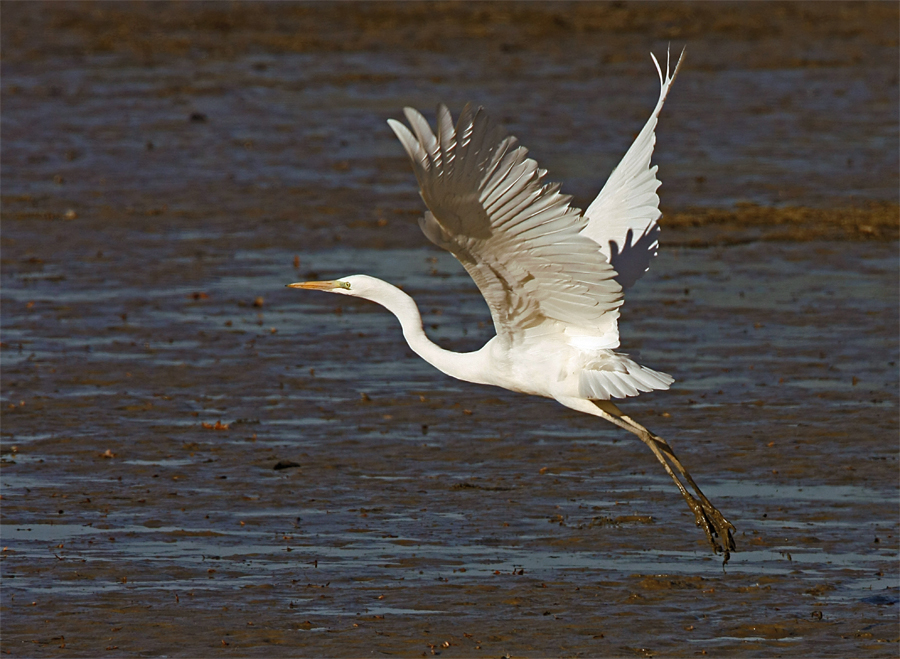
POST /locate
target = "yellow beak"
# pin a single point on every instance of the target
(320, 285)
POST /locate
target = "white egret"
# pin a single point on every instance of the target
(552, 276)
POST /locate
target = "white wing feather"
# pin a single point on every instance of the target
(619, 378)
(516, 236)
(623, 218)
(544, 268)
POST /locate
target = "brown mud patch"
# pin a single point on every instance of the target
(747, 222)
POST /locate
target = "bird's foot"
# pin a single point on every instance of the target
(719, 531)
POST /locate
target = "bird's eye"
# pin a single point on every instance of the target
(345, 284)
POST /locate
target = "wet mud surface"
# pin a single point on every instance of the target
(199, 462)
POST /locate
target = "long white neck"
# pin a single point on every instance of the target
(468, 366)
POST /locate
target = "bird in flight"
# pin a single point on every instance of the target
(552, 275)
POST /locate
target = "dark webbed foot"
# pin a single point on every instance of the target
(719, 531)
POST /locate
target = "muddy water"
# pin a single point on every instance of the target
(197, 461)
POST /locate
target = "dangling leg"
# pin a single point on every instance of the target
(719, 531)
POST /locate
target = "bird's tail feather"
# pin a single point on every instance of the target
(630, 380)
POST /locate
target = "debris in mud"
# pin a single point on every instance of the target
(218, 425)
(473, 486)
(665, 582)
(621, 519)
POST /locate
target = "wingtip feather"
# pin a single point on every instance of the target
(658, 68)
(409, 142)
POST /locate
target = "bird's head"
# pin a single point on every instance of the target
(355, 285)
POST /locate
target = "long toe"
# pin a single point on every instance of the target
(720, 532)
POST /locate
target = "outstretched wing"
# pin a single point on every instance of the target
(516, 236)
(623, 218)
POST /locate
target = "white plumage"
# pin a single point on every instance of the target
(623, 218)
(533, 256)
(552, 276)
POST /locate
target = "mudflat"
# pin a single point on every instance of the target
(198, 462)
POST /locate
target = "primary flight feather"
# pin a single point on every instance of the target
(552, 275)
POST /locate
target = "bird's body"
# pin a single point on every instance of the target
(552, 276)
(542, 361)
